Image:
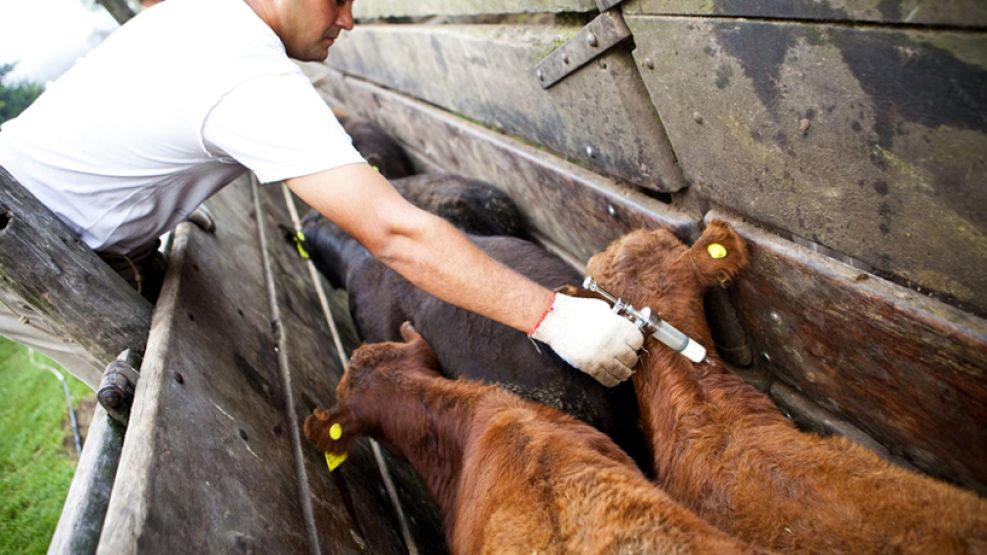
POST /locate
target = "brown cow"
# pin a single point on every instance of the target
(723, 449)
(509, 475)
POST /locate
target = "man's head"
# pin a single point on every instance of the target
(307, 28)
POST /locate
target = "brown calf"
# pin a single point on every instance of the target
(509, 475)
(723, 449)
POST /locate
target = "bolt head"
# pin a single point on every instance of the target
(649, 63)
(591, 40)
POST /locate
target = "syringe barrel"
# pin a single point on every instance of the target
(673, 338)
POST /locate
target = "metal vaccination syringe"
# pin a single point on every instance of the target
(647, 321)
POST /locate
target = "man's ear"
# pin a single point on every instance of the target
(719, 254)
(331, 431)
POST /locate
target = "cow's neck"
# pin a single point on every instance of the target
(431, 433)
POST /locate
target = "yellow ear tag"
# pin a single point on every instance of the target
(376, 169)
(333, 461)
(299, 239)
(716, 250)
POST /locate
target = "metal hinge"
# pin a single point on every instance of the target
(594, 39)
(605, 5)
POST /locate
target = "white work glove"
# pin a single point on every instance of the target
(589, 336)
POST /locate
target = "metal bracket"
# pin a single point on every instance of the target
(116, 389)
(594, 39)
(605, 5)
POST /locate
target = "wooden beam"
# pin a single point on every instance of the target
(371, 9)
(578, 210)
(599, 115)
(965, 13)
(45, 264)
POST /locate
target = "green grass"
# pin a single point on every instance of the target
(36, 467)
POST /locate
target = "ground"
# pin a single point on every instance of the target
(37, 451)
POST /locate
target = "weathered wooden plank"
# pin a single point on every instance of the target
(210, 459)
(370, 9)
(315, 370)
(578, 210)
(207, 464)
(81, 521)
(600, 114)
(871, 142)
(44, 263)
(926, 12)
(908, 370)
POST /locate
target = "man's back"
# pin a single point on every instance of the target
(117, 147)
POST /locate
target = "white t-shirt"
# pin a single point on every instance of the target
(170, 108)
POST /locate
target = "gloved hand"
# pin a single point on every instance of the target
(589, 336)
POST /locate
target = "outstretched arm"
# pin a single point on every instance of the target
(435, 256)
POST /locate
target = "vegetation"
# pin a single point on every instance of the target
(37, 456)
(14, 98)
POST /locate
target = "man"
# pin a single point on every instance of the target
(190, 93)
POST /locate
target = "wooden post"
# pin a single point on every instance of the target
(50, 269)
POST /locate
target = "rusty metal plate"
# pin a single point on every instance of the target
(971, 13)
(600, 115)
(908, 370)
(869, 141)
(604, 32)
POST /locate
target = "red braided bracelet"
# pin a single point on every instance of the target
(543, 315)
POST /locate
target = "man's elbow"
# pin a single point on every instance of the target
(403, 242)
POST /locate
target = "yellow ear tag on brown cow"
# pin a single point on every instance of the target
(716, 251)
(333, 461)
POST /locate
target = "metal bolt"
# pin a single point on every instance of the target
(612, 211)
(541, 75)
(775, 317)
(590, 152)
(110, 397)
(565, 58)
(698, 118)
(649, 63)
(766, 357)
(591, 40)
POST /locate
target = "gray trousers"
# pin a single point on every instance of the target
(20, 323)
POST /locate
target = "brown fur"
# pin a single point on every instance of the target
(509, 475)
(723, 449)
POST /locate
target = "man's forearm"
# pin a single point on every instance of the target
(425, 249)
(436, 257)
(440, 259)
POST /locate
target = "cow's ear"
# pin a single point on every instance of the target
(422, 351)
(719, 254)
(332, 431)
